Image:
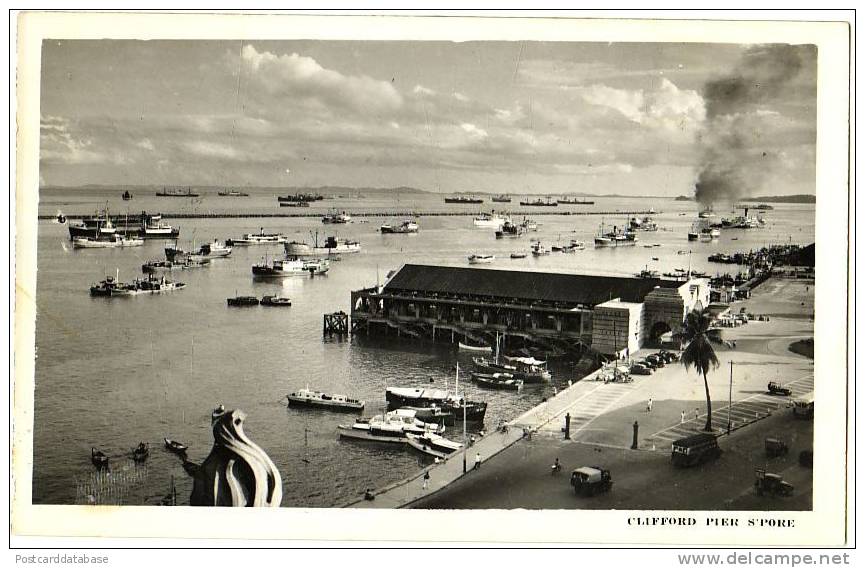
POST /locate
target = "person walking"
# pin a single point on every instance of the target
(425, 480)
(477, 460)
(683, 417)
(649, 405)
(696, 414)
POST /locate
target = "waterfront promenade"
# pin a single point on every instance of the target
(602, 416)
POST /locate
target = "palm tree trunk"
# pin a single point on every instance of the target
(708, 427)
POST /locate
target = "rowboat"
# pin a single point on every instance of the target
(477, 348)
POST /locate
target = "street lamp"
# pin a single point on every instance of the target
(730, 403)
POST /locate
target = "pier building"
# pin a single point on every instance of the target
(613, 315)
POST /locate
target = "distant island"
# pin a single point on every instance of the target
(798, 198)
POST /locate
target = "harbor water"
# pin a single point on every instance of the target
(113, 372)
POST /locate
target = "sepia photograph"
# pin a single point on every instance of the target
(546, 268)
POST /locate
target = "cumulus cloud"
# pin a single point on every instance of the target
(58, 144)
(473, 130)
(292, 77)
(211, 149)
(423, 91)
(665, 107)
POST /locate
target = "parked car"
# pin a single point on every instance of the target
(591, 480)
(695, 450)
(776, 389)
(771, 483)
(775, 448)
(657, 360)
(648, 363)
(669, 356)
(640, 369)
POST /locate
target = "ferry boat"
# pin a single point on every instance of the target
(261, 238)
(407, 226)
(107, 241)
(391, 427)
(185, 263)
(501, 199)
(526, 369)
(398, 397)
(481, 258)
(282, 268)
(232, 193)
(615, 238)
(510, 230)
(566, 201)
(331, 246)
(316, 399)
(336, 218)
(433, 444)
(158, 230)
(490, 220)
(177, 193)
(463, 199)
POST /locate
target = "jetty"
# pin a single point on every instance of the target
(282, 214)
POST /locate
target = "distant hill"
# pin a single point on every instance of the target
(799, 198)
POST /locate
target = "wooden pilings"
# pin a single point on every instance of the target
(335, 324)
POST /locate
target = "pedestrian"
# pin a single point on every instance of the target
(425, 480)
(570, 382)
(696, 414)
(477, 460)
(555, 391)
(683, 417)
(649, 405)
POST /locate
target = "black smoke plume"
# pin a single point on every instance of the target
(735, 160)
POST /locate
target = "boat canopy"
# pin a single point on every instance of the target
(527, 360)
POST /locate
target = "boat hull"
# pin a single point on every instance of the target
(355, 434)
(474, 411)
(324, 405)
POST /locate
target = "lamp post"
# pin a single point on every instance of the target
(730, 402)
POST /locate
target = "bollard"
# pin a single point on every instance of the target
(636, 433)
(568, 426)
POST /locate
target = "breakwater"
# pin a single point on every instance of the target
(373, 214)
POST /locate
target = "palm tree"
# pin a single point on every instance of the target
(699, 353)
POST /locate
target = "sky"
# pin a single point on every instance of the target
(509, 117)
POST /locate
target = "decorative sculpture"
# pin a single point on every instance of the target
(237, 473)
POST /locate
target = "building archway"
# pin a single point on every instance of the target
(659, 333)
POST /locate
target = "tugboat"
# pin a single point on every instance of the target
(407, 226)
(111, 287)
(316, 399)
(615, 238)
(510, 230)
(331, 246)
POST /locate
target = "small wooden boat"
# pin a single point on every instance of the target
(242, 301)
(174, 446)
(481, 258)
(498, 381)
(99, 459)
(518, 255)
(433, 444)
(140, 452)
(276, 301)
(477, 348)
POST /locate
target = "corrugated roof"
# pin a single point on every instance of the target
(523, 286)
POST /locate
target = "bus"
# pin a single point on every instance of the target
(803, 407)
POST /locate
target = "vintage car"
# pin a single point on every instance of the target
(776, 389)
(591, 480)
(695, 450)
(640, 369)
(775, 447)
(771, 484)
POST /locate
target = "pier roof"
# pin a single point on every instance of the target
(525, 286)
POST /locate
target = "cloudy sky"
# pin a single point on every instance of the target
(520, 117)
